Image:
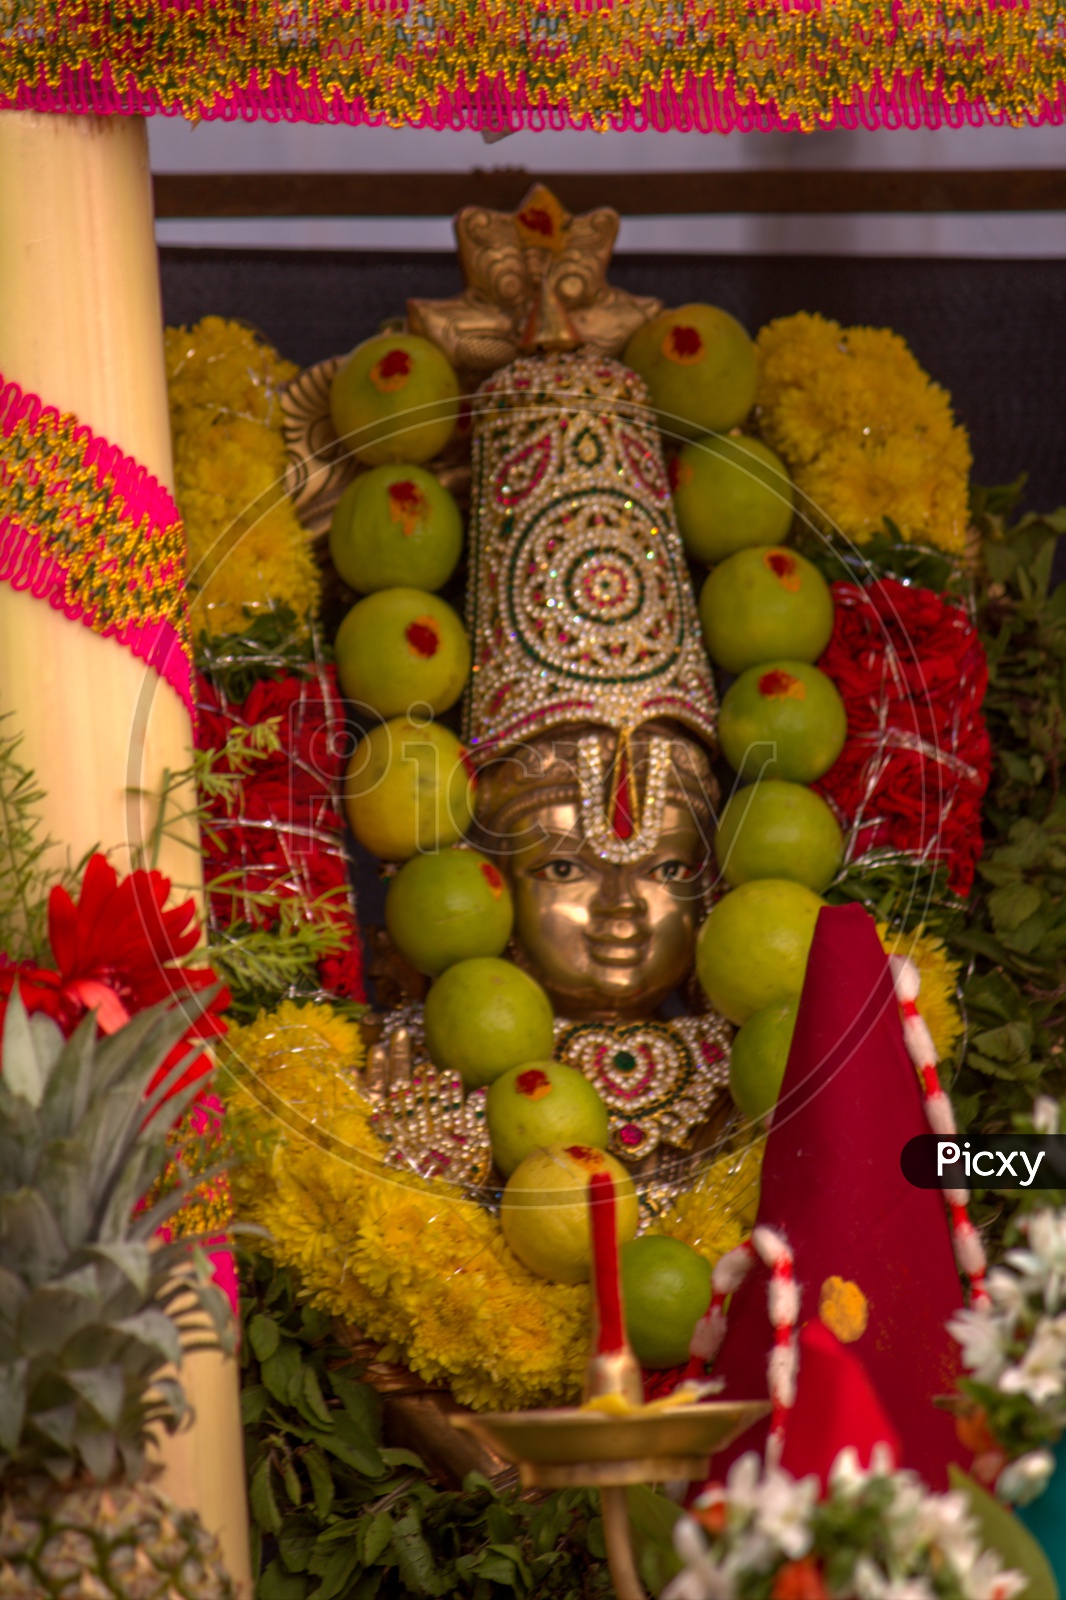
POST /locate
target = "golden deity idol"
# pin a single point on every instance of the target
(591, 721)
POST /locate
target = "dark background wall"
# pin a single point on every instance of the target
(992, 332)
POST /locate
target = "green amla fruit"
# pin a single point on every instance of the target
(396, 526)
(730, 493)
(396, 398)
(402, 648)
(700, 367)
(763, 605)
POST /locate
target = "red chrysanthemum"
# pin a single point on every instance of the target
(118, 950)
(912, 674)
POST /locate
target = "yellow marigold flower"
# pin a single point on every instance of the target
(417, 1267)
(247, 550)
(937, 998)
(863, 430)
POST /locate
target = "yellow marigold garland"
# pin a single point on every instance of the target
(247, 550)
(937, 1000)
(415, 1266)
(864, 431)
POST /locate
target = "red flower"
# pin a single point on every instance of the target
(912, 674)
(117, 952)
(282, 835)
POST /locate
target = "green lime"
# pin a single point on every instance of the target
(396, 525)
(729, 493)
(775, 829)
(700, 367)
(666, 1289)
(396, 398)
(402, 648)
(783, 719)
(760, 605)
(484, 1016)
(545, 1210)
(539, 1104)
(759, 1057)
(447, 906)
(752, 950)
(408, 788)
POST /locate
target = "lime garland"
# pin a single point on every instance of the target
(417, 1267)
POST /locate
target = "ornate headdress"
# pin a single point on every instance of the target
(580, 606)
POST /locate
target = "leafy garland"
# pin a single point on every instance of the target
(337, 1513)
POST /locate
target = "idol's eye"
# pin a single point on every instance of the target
(673, 872)
(560, 870)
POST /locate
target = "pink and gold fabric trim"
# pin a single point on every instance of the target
(712, 65)
(91, 532)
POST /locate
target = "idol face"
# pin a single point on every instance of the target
(607, 941)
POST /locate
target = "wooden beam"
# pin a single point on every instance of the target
(655, 194)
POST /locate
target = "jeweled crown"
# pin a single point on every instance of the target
(580, 606)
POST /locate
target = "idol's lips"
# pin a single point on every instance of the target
(608, 952)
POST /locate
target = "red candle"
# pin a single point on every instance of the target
(606, 1277)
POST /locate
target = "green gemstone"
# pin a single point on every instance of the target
(625, 1061)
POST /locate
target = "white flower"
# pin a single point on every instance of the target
(868, 1581)
(702, 1577)
(1006, 1293)
(784, 1511)
(743, 1484)
(982, 1340)
(988, 1580)
(1043, 1264)
(1041, 1373)
(1025, 1479)
(1046, 1114)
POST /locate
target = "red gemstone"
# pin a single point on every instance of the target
(631, 1135)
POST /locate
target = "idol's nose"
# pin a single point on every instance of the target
(618, 899)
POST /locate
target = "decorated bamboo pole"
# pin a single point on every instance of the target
(81, 329)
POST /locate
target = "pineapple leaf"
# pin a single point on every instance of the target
(103, 1388)
(30, 1241)
(12, 1402)
(57, 1424)
(28, 1058)
(71, 1084)
(156, 1331)
(96, 1447)
(52, 1316)
(131, 1259)
(12, 1295)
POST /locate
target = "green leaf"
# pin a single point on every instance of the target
(338, 1569)
(395, 1457)
(595, 1538)
(1010, 906)
(496, 1568)
(321, 1481)
(314, 1407)
(414, 1557)
(1001, 1531)
(131, 1259)
(263, 1336)
(291, 1479)
(264, 1506)
(296, 1544)
(512, 1553)
(254, 1402)
(377, 1536)
(277, 1584)
(282, 1372)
